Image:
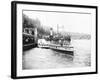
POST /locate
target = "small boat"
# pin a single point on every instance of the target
(42, 43)
(46, 46)
(65, 49)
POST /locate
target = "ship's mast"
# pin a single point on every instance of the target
(51, 32)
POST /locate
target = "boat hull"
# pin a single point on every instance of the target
(64, 51)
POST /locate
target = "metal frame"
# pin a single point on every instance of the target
(14, 38)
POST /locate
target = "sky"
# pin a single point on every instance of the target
(71, 22)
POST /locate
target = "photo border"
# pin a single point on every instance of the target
(14, 38)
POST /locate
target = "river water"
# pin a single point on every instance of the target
(39, 58)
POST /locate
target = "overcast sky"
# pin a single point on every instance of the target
(71, 22)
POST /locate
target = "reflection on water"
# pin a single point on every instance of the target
(39, 58)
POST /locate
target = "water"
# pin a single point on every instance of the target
(39, 58)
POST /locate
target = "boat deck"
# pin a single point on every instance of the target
(64, 49)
